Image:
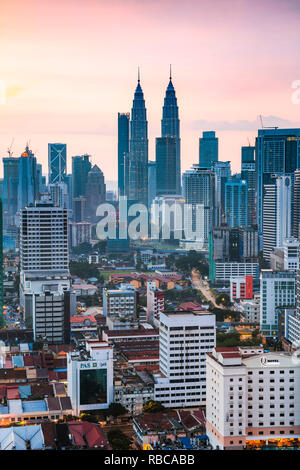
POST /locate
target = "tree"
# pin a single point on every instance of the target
(118, 440)
(116, 409)
(153, 407)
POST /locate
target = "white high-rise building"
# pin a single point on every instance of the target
(277, 289)
(277, 214)
(184, 340)
(253, 398)
(44, 260)
(44, 238)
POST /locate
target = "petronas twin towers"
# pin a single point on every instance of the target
(133, 149)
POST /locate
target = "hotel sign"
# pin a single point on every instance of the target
(269, 362)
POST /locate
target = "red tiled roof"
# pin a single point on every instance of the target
(231, 355)
(227, 349)
(13, 393)
(152, 332)
(200, 416)
(28, 361)
(92, 433)
(81, 318)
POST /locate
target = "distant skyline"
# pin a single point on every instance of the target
(70, 66)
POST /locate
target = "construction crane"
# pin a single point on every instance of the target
(266, 127)
(9, 151)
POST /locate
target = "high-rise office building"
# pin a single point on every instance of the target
(248, 154)
(27, 188)
(151, 182)
(1, 264)
(123, 147)
(248, 174)
(45, 277)
(59, 194)
(208, 149)
(198, 192)
(137, 160)
(277, 289)
(184, 340)
(81, 166)
(167, 182)
(10, 190)
(296, 215)
(236, 202)
(277, 153)
(96, 193)
(221, 174)
(57, 162)
(44, 238)
(168, 146)
(277, 214)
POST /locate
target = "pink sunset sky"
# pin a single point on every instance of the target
(69, 66)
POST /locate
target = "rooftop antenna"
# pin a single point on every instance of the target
(170, 71)
(138, 74)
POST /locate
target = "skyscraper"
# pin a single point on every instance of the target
(123, 147)
(221, 173)
(168, 146)
(27, 189)
(151, 182)
(44, 277)
(10, 189)
(96, 192)
(1, 265)
(208, 149)
(276, 213)
(138, 150)
(167, 181)
(198, 193)
(81, 166)
(296, 222)
(248, 173)
(277, 153)
(236, 202)
(57, 162)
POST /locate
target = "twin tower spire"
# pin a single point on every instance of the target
(133, 157)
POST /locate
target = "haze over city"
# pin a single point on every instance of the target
(69, 67)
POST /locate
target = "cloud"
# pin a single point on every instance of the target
(243, 124)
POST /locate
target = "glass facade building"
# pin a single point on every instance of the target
(57, 163)
(208, 149)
